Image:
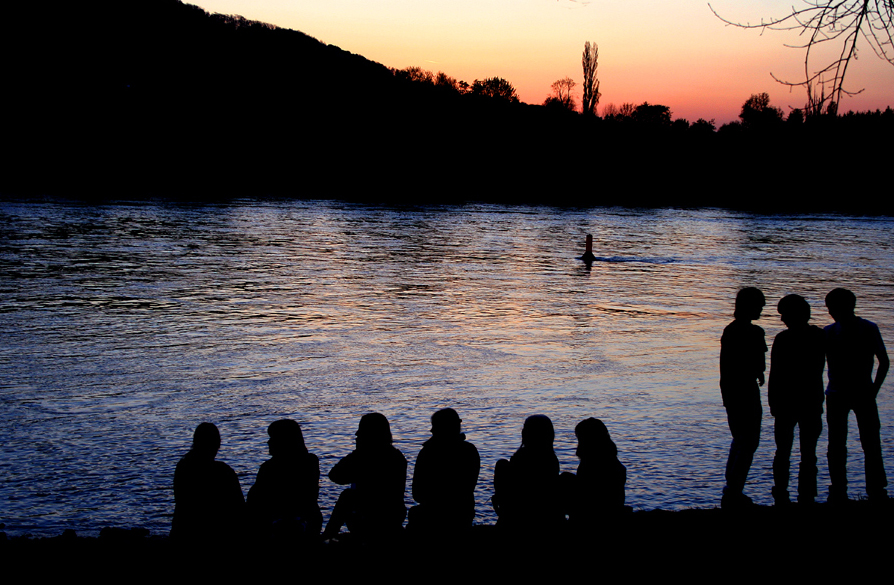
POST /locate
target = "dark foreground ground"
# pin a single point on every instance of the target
(821, 543)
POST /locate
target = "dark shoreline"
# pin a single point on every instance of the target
(760, 542)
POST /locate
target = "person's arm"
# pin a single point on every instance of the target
(882, 371)
(760, 374)
(235, 487)
(421, 482)
(316, 472)
(474, 467)
(774, 367)
(343, 472)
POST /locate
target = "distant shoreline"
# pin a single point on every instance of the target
(231, 108)
(849, 208)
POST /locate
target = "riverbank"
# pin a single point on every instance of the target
(821, 541)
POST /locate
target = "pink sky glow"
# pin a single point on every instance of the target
(673, 53)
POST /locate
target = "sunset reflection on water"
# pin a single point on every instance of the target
(125, 325)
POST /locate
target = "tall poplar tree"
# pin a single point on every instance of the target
(591, 96)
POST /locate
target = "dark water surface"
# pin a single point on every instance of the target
(124, 325)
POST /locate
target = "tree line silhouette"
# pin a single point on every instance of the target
(163, 99)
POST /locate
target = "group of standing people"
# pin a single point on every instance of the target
(530, 494)
(850, 346)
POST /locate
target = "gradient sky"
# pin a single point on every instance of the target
(675, 53)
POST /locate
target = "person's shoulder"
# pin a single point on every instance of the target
(222, 470)
(350, 458)
(873, 334)
(782, 339)
(756, 337)
(809, 332)
(468, 450)
(221, 466)
(815, 334)
(190, 463)
(397, 455)
(742, 328)
(732, 334)
(867, 324)
(183, 469)
(267, 466)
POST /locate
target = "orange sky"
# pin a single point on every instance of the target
(673, 53)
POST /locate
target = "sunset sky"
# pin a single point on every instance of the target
(673, 53)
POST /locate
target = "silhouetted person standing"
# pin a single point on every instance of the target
(795, 390)
(742, 365)
(526, 488)
(852, 346)
(597, 491)
(444, 479)
(373, 506)
(208, 502)
(283, 500)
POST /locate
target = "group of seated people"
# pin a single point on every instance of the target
(529, 492)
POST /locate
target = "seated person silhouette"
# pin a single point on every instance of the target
(795, 391)
(283, 501)
(742, 364)
(208, 502)
(597, 491)
(853, 345)
(373, 507)
(444, 479)
(526, 488)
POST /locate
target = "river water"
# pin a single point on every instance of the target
(126, 324)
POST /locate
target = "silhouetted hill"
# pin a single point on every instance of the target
(163, 87)
(161, 96)
(110, 98)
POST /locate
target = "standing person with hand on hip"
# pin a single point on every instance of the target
(852, 346)
(742, 365)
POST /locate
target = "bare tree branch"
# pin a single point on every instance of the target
(833, 21)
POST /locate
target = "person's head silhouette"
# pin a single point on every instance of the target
(206, 440)
(538, 432)
(749, 303)
(841, 303)
(374, 431)
(794, 310)
(593, 439)
(445, 423)
(285, 438)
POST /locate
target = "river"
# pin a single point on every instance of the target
(125, 324)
